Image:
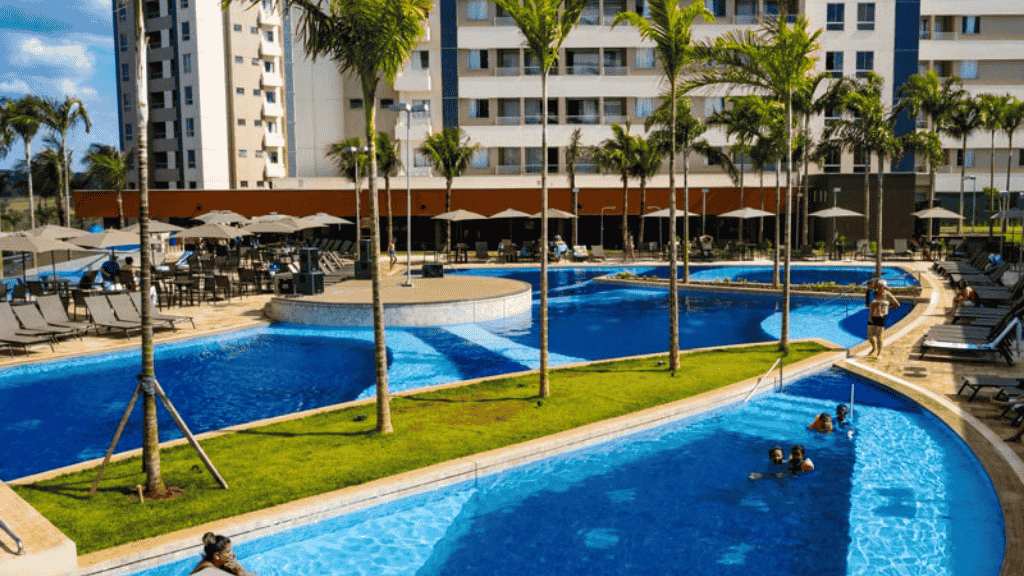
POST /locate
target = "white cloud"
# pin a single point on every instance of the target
(34, 51)
(71, 88)
(14, 85)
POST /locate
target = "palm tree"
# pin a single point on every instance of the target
(776, 60)
(545, 24)
(766, 153)
(742, 122)
(1013, 117)
(61, 117)
(388, 163)
(647, 158)
(352, 165)
(23, 117)
(372, 39)
(449, 153)
(961, 120)
(991, 108)
(931, 97)
(574, 152)
(618, 154)
(107, 167)
(669, 29)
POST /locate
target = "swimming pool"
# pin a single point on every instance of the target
(67, 410)
(904, 495)
(841, 275)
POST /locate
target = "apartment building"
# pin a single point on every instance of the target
(216, 92)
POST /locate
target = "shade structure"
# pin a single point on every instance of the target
(299, 223)
(835, 212)
(663, 213)
(936, 212)
(270, 217)
(57, 232)
(746, 212)
(1011, 214)
(324, 218)
(106, 239)
(510, 213)
(155, 227)
(33, 244)
(270, 227)
(460, 215)
(556, 213)
(221, 217)
(216, 231)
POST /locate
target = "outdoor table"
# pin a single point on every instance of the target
(56, 285)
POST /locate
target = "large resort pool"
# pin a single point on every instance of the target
(66, 411)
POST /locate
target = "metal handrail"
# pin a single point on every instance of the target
(6, 528)
(759, 380)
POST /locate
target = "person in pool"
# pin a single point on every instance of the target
(217, 554)
(798, 461)
(777, 459)
(822, 423)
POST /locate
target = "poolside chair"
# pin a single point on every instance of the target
(35, 288)
(10, 323)
(32, 319)
(88, 280)
(580, 254)
(53, 311)
(136, 298)
(103, 315)
(597, 253)
(974, 342)
(1004, 386)
(989, 277)
(12, 339)
(481, 251)
(900, 249)
(20, 292)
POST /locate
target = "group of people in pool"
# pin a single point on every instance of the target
(798, 461)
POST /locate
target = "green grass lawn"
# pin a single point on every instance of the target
(279, 463)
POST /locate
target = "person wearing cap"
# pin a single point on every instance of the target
(878, 312)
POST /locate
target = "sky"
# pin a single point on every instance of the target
(54, 48)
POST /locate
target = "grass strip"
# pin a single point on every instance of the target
(279, 463)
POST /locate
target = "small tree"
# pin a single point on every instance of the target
(574, 153)
(449, 153)
(388, 163)
(352, 165)
(961, 120)
(992, 109)
(647, 161)
(107, 168)
(23, 117)
(618, 154)
(62, 117)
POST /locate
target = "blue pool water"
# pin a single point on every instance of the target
(66, 411)
(903, 496)
(841, 275)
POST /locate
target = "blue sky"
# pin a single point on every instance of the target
(55, 48)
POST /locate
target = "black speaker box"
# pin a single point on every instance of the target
(309, 260)
(433, 271)
(364, 250)
(309, 283)
(362, 271)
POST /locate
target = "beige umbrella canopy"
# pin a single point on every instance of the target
(271, 217)
(221, 217)
(663, 213)
(33, 245)
(155, 227)
(106, 239)
(510, 213)
(300, 224)
(746, 212)
(835, 212)
(460, 215)
(270, 227)
(57, 232)
(556, 213)
(324, 218)
(216, 231)
(937, 212)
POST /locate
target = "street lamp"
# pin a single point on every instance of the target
(408, 109)
(576, 212)
(355, 151)
(602, 222)
(960, 223)
(703, 210)
(974, 201)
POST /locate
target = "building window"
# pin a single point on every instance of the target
(188, 95)
(243, 184)
(865, 63)
(478, 60)
(191, 154)
(272, 157)
(476, 10)
(972, 25)
(253, 30)
(425, 105)
(866, 16)
(239, 59)
(386, 102)
(122, 13)
(960, 158)
(127, 101)
(834, 63)
(190, 127)
(184, 3)
(259, 183)
(271, 97)
(124, 43)
(1020, 158)
(643, 8)
(255, 91)
(479, 108)
(186, 63)
(716, 7)
(268, 66)
(258, 153)
(192, 185)
(186, 31)
(128, 131)
(713, 106)
(161, 161)
(644, 107)
(713, 159)
(269, 36)
(834, 19)
(419, 160)
(242, 154)
(240, 91)
(125, 74)
(969, 69)
(156, 70)
(257, 122)
(355, 103)
(481, 159)
(644, 58)
(271, 126)
(240, 122)
(255, 61)
(237, 27)
(421, 60)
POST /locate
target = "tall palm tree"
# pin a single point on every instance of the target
(618, 154)
(1013, 117)
(991, 108)
(545, 24)
(929, 96)
(743, 123)
(647, 158)
(388, 162)
(574, 153)
(777, 60)
(669, 29)
(766, 153)
(61, 117)
(352, 165)
(371, 39)
(107, 167)
(961, 120)
(449, 153)
(23, 117)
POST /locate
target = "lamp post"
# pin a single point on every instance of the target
(602, 222)
(576, 212)
(408, 109)
(356, 174)
(703, 210)
(835, 193)
(974, 200)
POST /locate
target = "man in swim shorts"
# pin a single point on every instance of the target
(878, 312)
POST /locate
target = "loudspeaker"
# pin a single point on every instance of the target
(309, 260)
(433, 270)
(364, 250)
(363, 271)
(309, 283)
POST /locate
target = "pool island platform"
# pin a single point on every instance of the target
(428, 302)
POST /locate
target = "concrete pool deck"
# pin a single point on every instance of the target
(933, 384)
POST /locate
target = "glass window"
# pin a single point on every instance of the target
(191, 154)
(237, 27)
(421, 60)
(419, 160)
(269, 36)
(477, 60)
(239, 59)
(476, 10)
(268, 66)
(188, 95)
(258, 154)
(713, 105)
(253, 30)
(355, 103)
(242, 154)
(255, 91)
(972, 25)
(865, 63)
(968, 69)
(834, 63)
(191, 185)
(125, 74)
(424, 105)
(240, 121)
(481, 159)
(644, 107)
(386, 102)
(240, 91)
(186, 63)
(834, 19)
(271, 126)
(716, 7)
(124, 43)
(186, 31)
(272, 156)
(866, 16)
(127, 101)
(960, 158)
(643, 8)
(271, 97)
(645, 57)
(128, 131)
(184, 4)
(479, 108)
(122, 13)
(255, 61)
(190, 127)
(243, 184)
(257, 122)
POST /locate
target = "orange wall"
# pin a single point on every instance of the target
(256, 202)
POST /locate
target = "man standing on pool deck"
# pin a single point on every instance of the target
(878, 313)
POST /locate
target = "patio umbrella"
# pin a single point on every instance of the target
(556, 213)
(155, 227)
(459, 215)
(215, 231)
(323, 218)
(835, 212)
(663, 213)
(509, 213)
(33, 245)
(270, 217)
(270, 227)
(56, 232)
(221, 217)
(299, 223)
(746, 212)
(106, 239)
(936, 212)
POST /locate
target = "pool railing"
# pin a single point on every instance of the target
(6, 528)
(762, 378)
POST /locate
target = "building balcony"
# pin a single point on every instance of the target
(509, 168)
(272, 110)
(272, 80)
(508, 120)
(274, 170)
(413, 80)
(269, 49)
(273, 140)
(269, 19)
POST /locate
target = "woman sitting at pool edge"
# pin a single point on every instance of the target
(217, 554)
(798, 461)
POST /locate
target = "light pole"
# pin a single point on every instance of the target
(576, 212)
(602, 222)
(835, 193)
(974, 201)
(703, 210)
(408, 109)
(356, 174)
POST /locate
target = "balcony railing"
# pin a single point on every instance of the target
(504, 21)
(745, 19)
(945, 35)
(584, 168)
(506, 71)
(616, 71)
(585, 119)
(536, 168)
(535, 118)
(925, 35)
(508, 168)
(583, 70)
(614, 119)
(508, 120)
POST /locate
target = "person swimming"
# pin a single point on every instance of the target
(777, 459)
(217, 553)
(822, 423)
(798, 460)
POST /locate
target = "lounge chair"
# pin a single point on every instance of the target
(32, 319)
(900, 249)
(973, 340)
(580, 254)
(1005, 386)
(994, 295)
(53, 311)
(990, 277)
(597, 253)
(136, 298)
(11, 338)
(481, 251)
(103, 315)
(12, 325)
(125, 310)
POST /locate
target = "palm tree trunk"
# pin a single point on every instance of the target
(778, 223)
(31, 195)
(784, 340)
(931, 196)
(963, 173)
(391, 228)
(643, 210)
(686, 219)
(625, 215)
(742, 221)
(878, 217)
(544, 388)
(867, 195)
(380, 350)
(991, 184)
(1009, 164)
(66, 192)
(806, 187)
(760, 220)
(673, 246)
(448, 208)
(359, 212)
(120, 209)
(575, 207)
